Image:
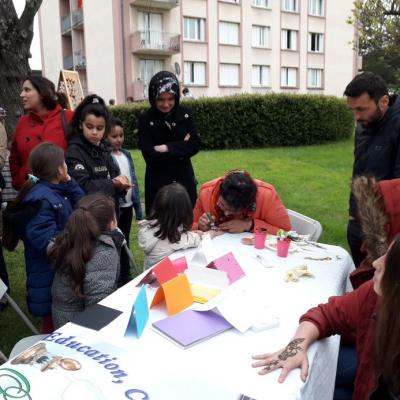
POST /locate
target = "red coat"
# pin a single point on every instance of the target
(353, 312)
(270, 213)
(31, 130)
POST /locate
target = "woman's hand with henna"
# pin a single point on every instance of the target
(294, 355)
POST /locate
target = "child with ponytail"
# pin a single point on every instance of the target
(38, 214)
(86, 257)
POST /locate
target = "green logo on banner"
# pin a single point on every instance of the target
(13, 385)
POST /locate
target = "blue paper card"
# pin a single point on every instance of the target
(139, 315)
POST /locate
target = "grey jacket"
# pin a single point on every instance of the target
(102, 272)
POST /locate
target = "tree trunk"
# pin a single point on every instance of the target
(15, 42)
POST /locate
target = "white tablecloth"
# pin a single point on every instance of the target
(219, 368)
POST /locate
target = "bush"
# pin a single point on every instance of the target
(252, 120)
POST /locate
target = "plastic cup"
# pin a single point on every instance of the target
(259, 239)
(282, 246)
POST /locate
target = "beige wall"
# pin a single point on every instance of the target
(50, 38)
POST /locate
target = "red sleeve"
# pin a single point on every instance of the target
(341, 314)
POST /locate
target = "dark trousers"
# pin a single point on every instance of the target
(354, 239)
(3, 270)
(346, 372)
(124, 223)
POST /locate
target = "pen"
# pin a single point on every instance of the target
(211, 221)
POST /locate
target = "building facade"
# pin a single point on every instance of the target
(216, 47)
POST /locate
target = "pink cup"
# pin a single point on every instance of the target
(282, 246)
(259, 238)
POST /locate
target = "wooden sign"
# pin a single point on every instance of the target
(70, 84)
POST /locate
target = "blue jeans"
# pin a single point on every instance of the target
(346, 372)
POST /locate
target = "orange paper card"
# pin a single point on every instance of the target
(164, 271)
(177, 294)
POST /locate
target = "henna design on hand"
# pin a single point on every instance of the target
(291, 349)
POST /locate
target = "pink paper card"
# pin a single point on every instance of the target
(180, 264)
(164, 271)
(229, 264)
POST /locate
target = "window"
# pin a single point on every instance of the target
(314, 78)
(232, 1)
(260, 75)
(262, 3)
(316, 42)
(316, 7)
(228, 33)
(260, 36)
(289, 5)
(150, 27)
(288, 77)
(150, 67)
(289, 39)
(229, 74)
(193, 29)
(194, 73)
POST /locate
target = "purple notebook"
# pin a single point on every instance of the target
(191, 327)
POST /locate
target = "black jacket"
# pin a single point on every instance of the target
(91, 166)
(377, 148)
(174, 165)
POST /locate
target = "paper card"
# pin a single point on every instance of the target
(202, 293)
(205, 253)
(208, 277)
(139, 315)
(96, 316)
(229, 264)
(180, 264)
(148, 278)
(3, 288)
(164, 271)
(177, 294)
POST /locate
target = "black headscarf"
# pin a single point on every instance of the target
(164, 82)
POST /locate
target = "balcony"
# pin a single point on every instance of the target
(80, 59)
(155, 42)
(77, 18)
(68, 62)
(66, 25)
(139, 90)
(160, 4)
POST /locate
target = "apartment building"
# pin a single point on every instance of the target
(216, 47)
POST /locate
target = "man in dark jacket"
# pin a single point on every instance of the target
(377, 141)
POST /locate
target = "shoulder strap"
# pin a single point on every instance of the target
(64, 122)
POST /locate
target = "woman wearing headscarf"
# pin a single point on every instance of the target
(167, 138)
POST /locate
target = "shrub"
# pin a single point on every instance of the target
(253, 120)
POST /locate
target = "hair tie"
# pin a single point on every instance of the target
(95, 100)
(32, 178)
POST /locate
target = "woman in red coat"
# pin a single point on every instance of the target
(43, 122)
(372, 313)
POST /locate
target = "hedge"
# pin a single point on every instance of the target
(252, 120)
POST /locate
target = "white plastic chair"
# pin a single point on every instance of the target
(304, 225)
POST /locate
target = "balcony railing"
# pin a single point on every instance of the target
(68, 62)
(80, 59)
(163, 4)
(66, 24)
(77, 18)
(155, 42)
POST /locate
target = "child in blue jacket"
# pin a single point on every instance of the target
(131, 201)
(38, 214)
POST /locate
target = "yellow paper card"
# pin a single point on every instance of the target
(202, 294)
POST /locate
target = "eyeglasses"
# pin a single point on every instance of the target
(224, 206)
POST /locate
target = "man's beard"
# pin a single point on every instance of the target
(375, 118)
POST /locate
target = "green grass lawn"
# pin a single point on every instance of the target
(313, 180)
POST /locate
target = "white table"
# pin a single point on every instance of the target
(219, 368)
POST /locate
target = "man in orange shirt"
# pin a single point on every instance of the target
(238, 203)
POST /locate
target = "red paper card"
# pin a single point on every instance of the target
(180, 264)
(164, 271)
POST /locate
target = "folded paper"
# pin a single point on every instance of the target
(229, 264)
(164, 271)
(180, 264)
(139, 315)
(176, 293)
